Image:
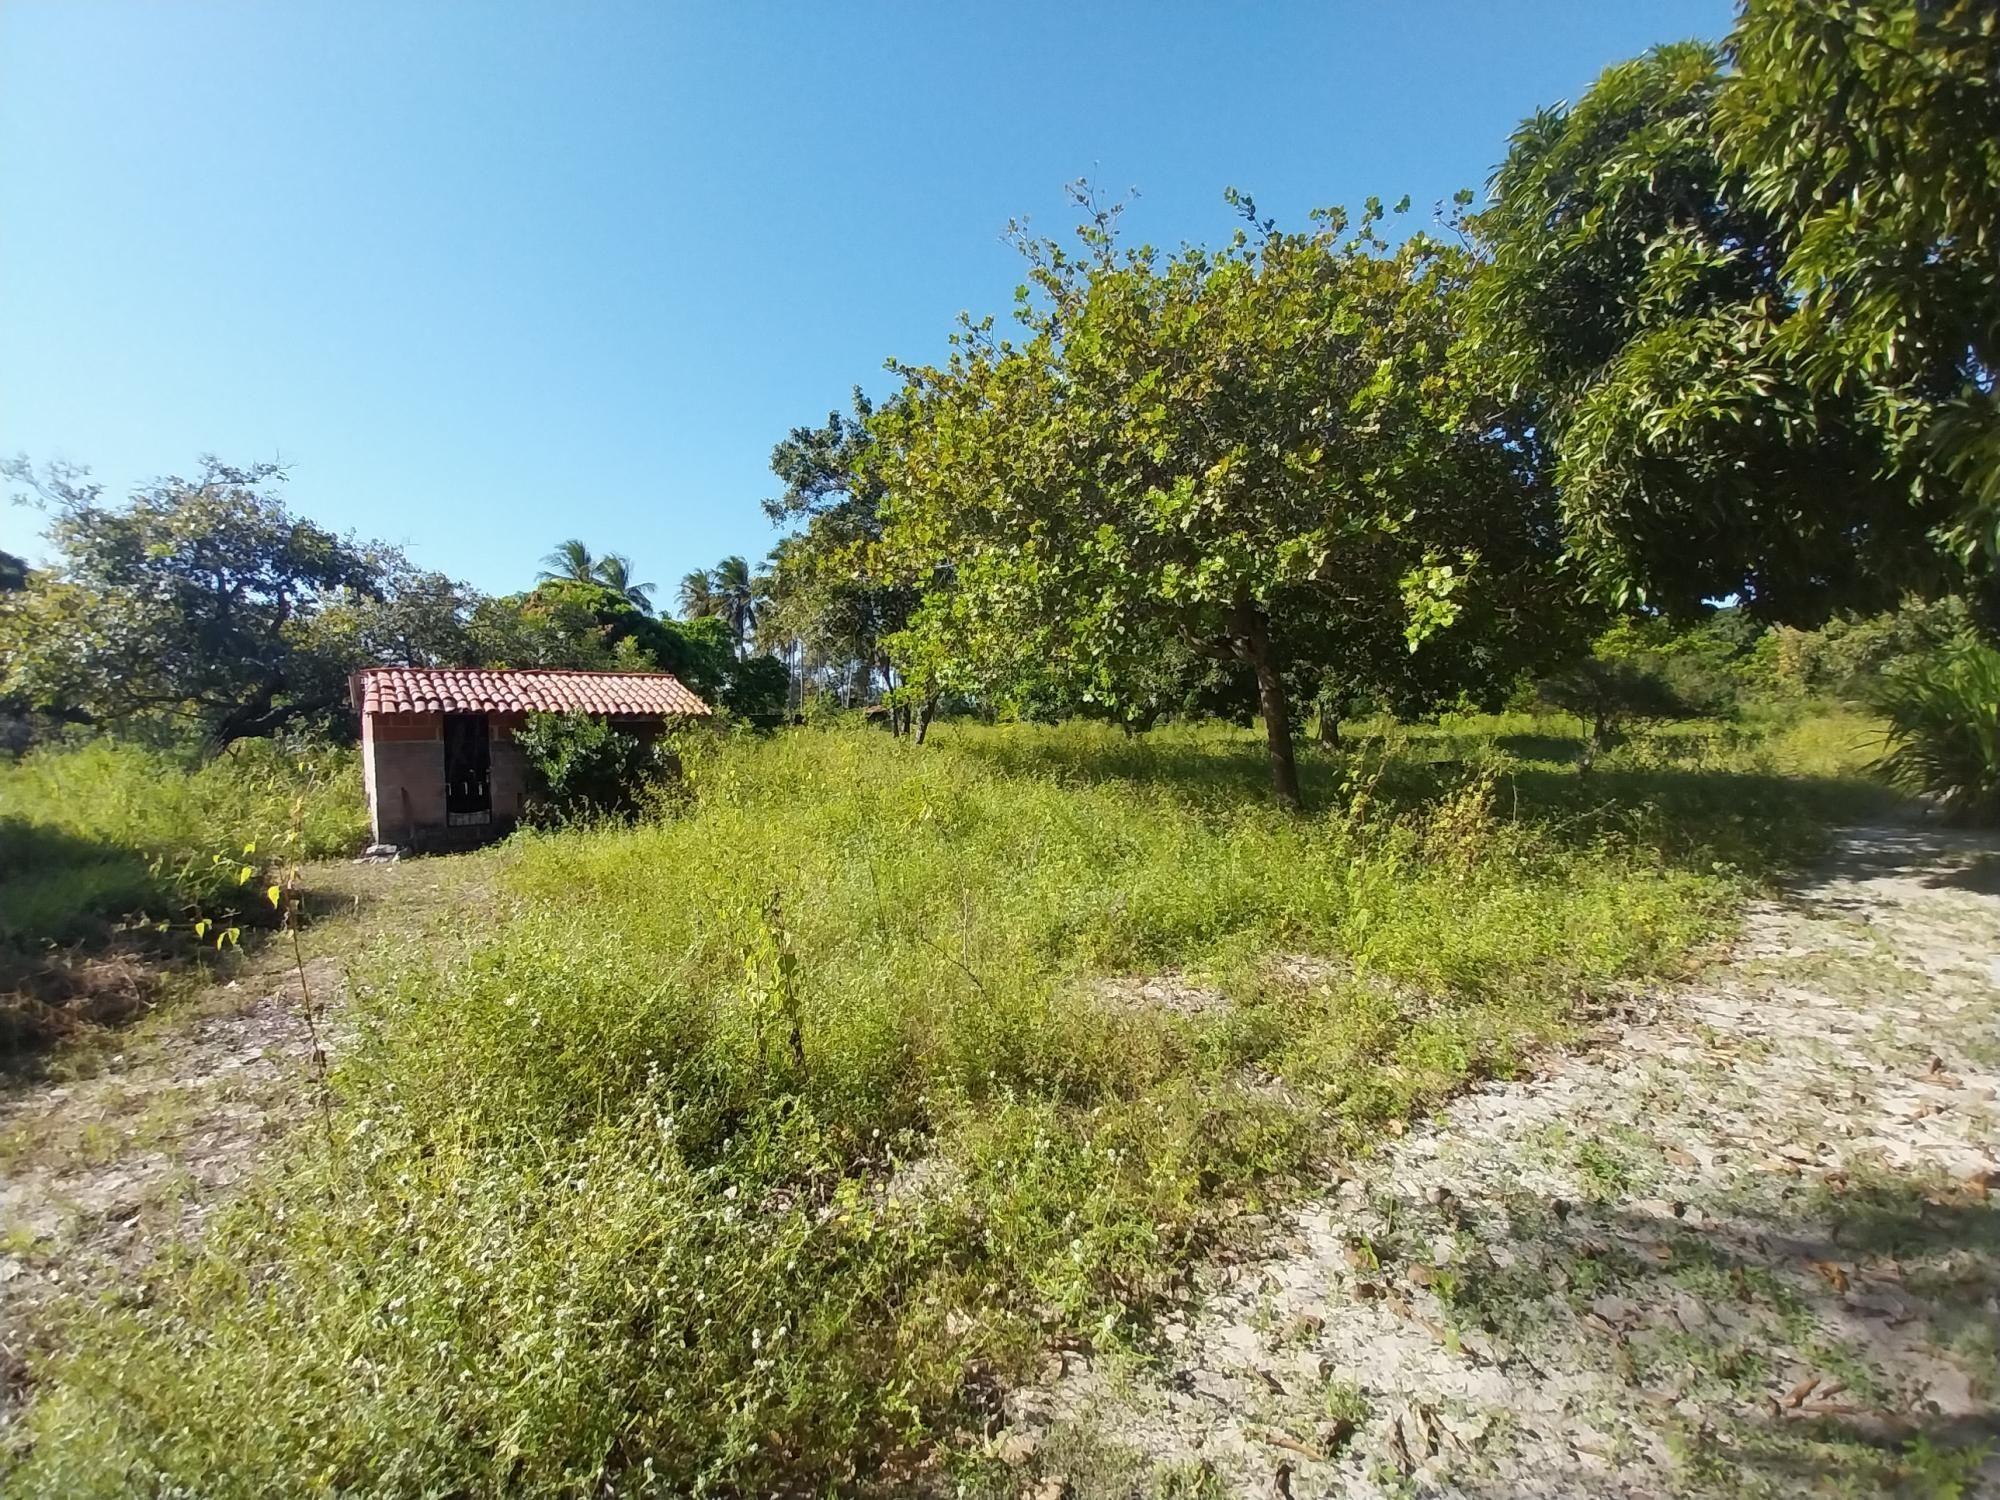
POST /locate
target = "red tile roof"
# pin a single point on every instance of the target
(428, 690)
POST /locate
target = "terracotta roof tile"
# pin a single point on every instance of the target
(428, 690)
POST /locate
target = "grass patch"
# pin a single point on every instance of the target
(98, 831)
(766, 1139)
(103, 843)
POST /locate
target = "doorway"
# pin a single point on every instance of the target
(468, 771)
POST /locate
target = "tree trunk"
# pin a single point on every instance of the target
(924, 717)
(1253, 642)
(1329, 728)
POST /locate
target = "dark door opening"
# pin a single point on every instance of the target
(468, 770)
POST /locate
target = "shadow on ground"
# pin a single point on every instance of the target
(1851, 1342)
(1689, 815)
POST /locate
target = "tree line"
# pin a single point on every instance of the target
(1725, 332)
(201, 607)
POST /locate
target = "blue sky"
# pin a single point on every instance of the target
(490, 275)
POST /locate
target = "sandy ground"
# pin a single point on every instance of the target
(1743, 1245)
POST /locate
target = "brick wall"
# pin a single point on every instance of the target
(403, 765)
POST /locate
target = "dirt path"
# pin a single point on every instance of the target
(100, 1173)
(1745, 1247)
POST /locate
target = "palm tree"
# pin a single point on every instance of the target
(614, 571)
(698, 596)
(571, 560)
(736, 598)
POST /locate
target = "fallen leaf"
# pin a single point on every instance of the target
(1834, 1276)
(1802, 1390)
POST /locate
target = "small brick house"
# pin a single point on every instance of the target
(438, 757)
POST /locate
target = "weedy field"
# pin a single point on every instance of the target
(767, 1141)
(110, 854)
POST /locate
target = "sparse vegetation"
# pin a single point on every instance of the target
(111, 854)
(98, 831)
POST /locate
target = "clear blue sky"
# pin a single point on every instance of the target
(490, 275)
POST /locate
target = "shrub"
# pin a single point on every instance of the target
(1608, 693)
(1943, 739)
(580, 768)
(757, 689)
(1848, 655)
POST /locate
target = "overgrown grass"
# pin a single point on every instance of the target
(101, 830)
(774, 1134)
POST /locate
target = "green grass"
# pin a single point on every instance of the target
(769, 1136)
(99, 831)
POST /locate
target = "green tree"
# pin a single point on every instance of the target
(697, 595)
(735, 598)
(1636, 296)
(1260, 452)
(829, 590)
(13, 572)
(571, 560)
(574, 562)
(193, 603)
(1868, 131)
(614, 571)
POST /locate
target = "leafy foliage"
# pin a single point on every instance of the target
(1636, 294)
(1943, 739)
(581, 768)
(572, 561)
(1869, 132)
(1609, 692)
(1255, 452)
(195, 602)
(830, 593)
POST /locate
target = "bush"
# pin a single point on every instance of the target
(581, 769)
(1608, 693)
(1944, 729)
(758, 689)
(1846, 657)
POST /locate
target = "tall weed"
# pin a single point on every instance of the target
(770, 1134)
(102, 829)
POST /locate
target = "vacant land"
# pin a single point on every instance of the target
(1744, 1245)
(771, 1143)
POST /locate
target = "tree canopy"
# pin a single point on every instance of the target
(1755, 309)
(197, 601)
(1256, 452)
(1634, 294)
(1869, 132)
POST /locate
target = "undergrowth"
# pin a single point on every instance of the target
(101, 830)
(772, 1137)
